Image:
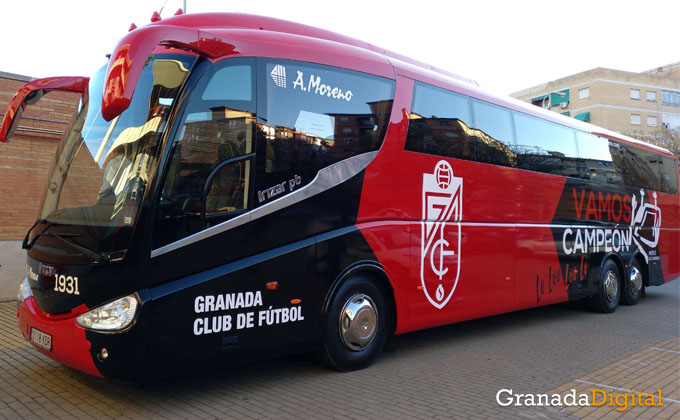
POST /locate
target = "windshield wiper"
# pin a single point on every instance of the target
(98, 257)
(25, 244)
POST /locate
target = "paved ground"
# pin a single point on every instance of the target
(449, 372)
(648, 371)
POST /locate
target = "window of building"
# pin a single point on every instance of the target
(635, 119)
(651, 96)
(635, 94)
(670, 97)
(560, 98)
(584, 93)
(651, 121)
(670, 121)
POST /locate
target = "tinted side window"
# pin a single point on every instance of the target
(597, 159)
(633, 166)
(493, 134)
(493, 120)
(441, 124)
(617, 163)
(543, 146)
(668, 175)
(638, 167)
(311, 116)
(233, 83)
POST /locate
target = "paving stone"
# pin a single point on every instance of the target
(448, 372)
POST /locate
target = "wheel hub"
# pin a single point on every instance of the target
(635, 280)
(611, 286)
(358, 322)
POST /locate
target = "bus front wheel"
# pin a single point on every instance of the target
(609, 289)
(356, 324)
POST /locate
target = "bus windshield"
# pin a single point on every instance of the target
(102, 168)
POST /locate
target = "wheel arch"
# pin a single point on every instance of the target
(374, 270)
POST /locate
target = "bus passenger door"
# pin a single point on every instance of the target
(209, 174)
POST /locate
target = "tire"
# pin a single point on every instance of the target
(352, 343)
(609, 289)
(633, 284)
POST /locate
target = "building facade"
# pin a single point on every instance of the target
(644, 105)
(24, 163)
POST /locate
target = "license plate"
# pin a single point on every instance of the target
(41, 339)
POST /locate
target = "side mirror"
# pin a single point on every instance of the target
(30, 93)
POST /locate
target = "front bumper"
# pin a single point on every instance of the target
(69, 343)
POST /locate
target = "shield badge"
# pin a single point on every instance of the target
(440, 234)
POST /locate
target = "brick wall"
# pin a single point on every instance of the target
(26, 159)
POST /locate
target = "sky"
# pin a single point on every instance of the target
(505, 46)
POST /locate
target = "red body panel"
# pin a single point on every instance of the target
(670, 236)
(508, 257)
(69, 345)
(536, 248)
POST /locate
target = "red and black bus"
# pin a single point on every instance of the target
(234, 187)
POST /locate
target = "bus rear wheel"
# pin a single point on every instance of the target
(356, 325)
(609, 289)
(633, 284)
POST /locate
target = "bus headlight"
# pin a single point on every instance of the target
(113, 316)
(24, 291)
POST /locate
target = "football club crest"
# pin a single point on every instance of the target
(440, 234)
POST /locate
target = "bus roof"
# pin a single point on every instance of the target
(218, 22)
